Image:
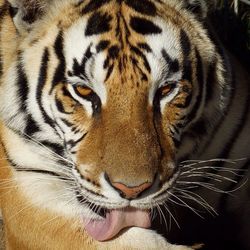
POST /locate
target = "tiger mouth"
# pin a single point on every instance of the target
(99, 210)
(112, 221)
(108, 222)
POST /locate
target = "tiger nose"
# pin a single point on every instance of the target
(131, 192)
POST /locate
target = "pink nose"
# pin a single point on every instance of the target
(131, 192)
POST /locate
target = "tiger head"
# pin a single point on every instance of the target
(97, 96)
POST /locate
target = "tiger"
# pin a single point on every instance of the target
(121, 120)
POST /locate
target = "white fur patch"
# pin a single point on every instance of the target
(169, 41)
(76, 44)
(139, 238)
(44, 191)
(9, 104)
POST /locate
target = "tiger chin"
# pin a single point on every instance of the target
(101, 102)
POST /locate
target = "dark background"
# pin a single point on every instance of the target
(233, 30)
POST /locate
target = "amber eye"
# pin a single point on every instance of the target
(83, 91)
(167, 89)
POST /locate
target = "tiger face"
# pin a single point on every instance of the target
(99, 95)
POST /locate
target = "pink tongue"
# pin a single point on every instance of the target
(115, 221)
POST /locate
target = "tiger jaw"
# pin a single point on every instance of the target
(129, 213)
(115, 221)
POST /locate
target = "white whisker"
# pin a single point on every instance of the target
(171, 216)
(185, 204)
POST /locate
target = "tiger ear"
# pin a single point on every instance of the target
(26, 12)
(200, 7)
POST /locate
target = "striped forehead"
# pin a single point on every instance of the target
(155, 39)
(166, 51)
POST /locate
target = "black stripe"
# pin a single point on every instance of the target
(80, 69)
(173, 65)
(94, 5)
(113, 51)
(38, 171)
(22, 84)
(67, 123)
(145, 47)
(210, 83)
(73, 143)
(55, 147)
(31, 126)
(66, 93)
(98, 23)
(186, 48)
(144, 77)
(32, 15)
(140, 54)
(134, 61)
(40, 86)
(110, 70)
(60, 107)
(144, 26)
(13, 11)
(136, 66)
(185, 43)
(187, 70)
(144, 7)
(120, 65)
(122, 30)
(106, 63)
(177, 143)
(102, 45)
(96, 104)
(157, 104)
(199, 72)
(75, 129)
(59, 75)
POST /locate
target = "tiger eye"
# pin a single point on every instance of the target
(167, 89)
(84, 91)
